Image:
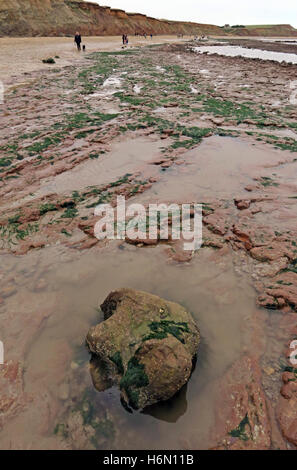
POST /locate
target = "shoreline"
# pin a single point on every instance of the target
(29, 52)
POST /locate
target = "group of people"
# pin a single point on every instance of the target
(126, 41)
(143, 34)
(201, 38)
(78, 40)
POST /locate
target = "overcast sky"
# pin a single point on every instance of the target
(217, 12)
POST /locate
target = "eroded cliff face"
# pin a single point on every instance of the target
(63, 17)
(281, 30)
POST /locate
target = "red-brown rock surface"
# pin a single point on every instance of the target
(241, 412)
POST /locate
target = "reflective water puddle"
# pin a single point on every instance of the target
(234, 51)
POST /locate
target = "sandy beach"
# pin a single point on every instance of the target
(28, 53)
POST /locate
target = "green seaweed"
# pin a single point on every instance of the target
(228, 109)
(292, 267)
(70, 213)
(50, 60)
(14, 231)
(39, 147)
(61, 430)
(117, 360)
(135, 377)
(239, 432)
(47, 207)
(160, 330)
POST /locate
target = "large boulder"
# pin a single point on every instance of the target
(146, 346)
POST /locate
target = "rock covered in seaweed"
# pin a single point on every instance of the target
(146, 346)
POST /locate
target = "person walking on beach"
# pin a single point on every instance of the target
(77, 40)
(125, 39)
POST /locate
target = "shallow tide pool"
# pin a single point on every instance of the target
(57, 379)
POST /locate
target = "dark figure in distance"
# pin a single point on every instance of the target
(125, 39)
(77, 40)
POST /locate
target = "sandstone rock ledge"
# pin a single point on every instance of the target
(146, 346)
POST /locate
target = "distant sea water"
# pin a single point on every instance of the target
(238, 51)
